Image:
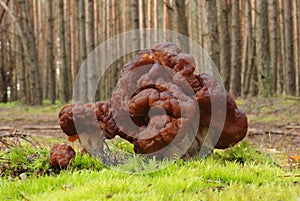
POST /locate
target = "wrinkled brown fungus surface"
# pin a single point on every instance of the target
(61, 155)
(155, 105)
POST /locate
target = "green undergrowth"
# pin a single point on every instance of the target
(280, 110)
(238, 173)
(18, 108)
(35, 163)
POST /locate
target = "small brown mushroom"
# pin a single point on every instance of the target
(61, 155)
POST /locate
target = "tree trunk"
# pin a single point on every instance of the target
(91, 70)
(298, 34)
(160, 18)
(134, 8)
(295, 14)
(262, 50)
(281, 47)
(83, 88)
(74, 41)
(35, 84)
(235, 78)
(67, 14)
(211, 30)
(224, 42)
(273, 40)
(64, 85)
(50, 55)
(40, 36)
(289, 57)
(3, 72)
(248, 54)
(182, 24)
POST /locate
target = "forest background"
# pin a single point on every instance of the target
(255, 44)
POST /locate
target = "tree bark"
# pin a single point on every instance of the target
(3, 73)
(235, 78)
(298, 34)
(262, 50)
(224, 41)
(160, 19)
(91, 71)
(64, 79)
(50, 55)
(83, 89)
(134, 8)
(281, 47)
(182, 24)
(74, 41)
(35, 84)
(67, 14)
(289, 54)
(211, 30)
(272, 11)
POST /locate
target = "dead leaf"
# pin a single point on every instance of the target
(294, 159)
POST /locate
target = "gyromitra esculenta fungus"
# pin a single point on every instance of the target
(155, 105)
(61, 155)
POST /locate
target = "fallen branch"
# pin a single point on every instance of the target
(254, 131)
(40, 127)
(292, 127)
(8, 128)
(3, 12)
(17, 135)
(289, 175)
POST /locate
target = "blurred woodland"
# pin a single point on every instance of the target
(254, 43)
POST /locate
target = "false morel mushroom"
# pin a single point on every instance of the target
(61, 155)
(163, 107)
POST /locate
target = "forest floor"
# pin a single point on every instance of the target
(274, 123)
(274, 126)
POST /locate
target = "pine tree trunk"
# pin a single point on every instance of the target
(248, 52)
(298, 34)
(224, 41)
(295, 14)
(92, 68)
(64, 85)
(83, 88)
(41, 44)
(67, 14)
(235, 78)
(289, 57)
(74, 41)
(262, 50)
(50, 55)
(281, 47)
(211, 30)
(160, 18)
(272, 11)
(134, 8)
(3, 74)
(35, 87)
(182, 24)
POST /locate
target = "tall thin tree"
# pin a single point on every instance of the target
(262, 49)
(224, 41)
(235, 78)
(50, 54)
(64, 78)
(290, 81)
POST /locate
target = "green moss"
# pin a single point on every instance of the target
(239, 173)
